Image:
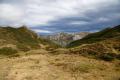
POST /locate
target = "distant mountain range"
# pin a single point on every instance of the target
(64, 39)
(104, 44)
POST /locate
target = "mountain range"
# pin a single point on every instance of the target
(64, 39)
(99, 44)
(84, 56)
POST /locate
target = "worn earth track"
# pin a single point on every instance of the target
(57, 67)
(34, 67)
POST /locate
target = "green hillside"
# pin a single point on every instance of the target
(98, 36)
(101, 45)
(21, 39)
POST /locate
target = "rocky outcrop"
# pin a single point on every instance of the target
(65, 38)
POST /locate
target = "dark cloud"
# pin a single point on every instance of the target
(62, 15)
(94, 24)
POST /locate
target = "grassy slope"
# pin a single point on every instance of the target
(98, 36)
(104, 44)
(19, 36)
(21, 39)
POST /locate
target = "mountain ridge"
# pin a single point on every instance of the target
(100, 45)
(64, 39)
(109, 32)
(22, 39)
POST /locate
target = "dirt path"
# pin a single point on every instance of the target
(5, 65)
(36, 67)
(56, 67)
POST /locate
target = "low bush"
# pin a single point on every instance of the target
(22, 47)
(107, 57)
(118, 56)
(7, 51)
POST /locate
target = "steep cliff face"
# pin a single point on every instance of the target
(80, 35)
(65, 38)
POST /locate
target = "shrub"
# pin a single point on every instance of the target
(84, 68)
(22, 47)
(7, 51)
(107, 57)
(15, 55)
(118, 56)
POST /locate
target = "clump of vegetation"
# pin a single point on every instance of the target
(22, 47)
(7, 51)
(107, 57)
(59, 51)
(118, 56)
(103, 50)
(84, 68)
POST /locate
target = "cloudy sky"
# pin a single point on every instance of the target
(51, 16)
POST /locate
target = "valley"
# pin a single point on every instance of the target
(26, 56)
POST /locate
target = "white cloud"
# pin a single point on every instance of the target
(41, 12)
(41, 31)
(79, 23)
(10, 12)
(103, 19)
